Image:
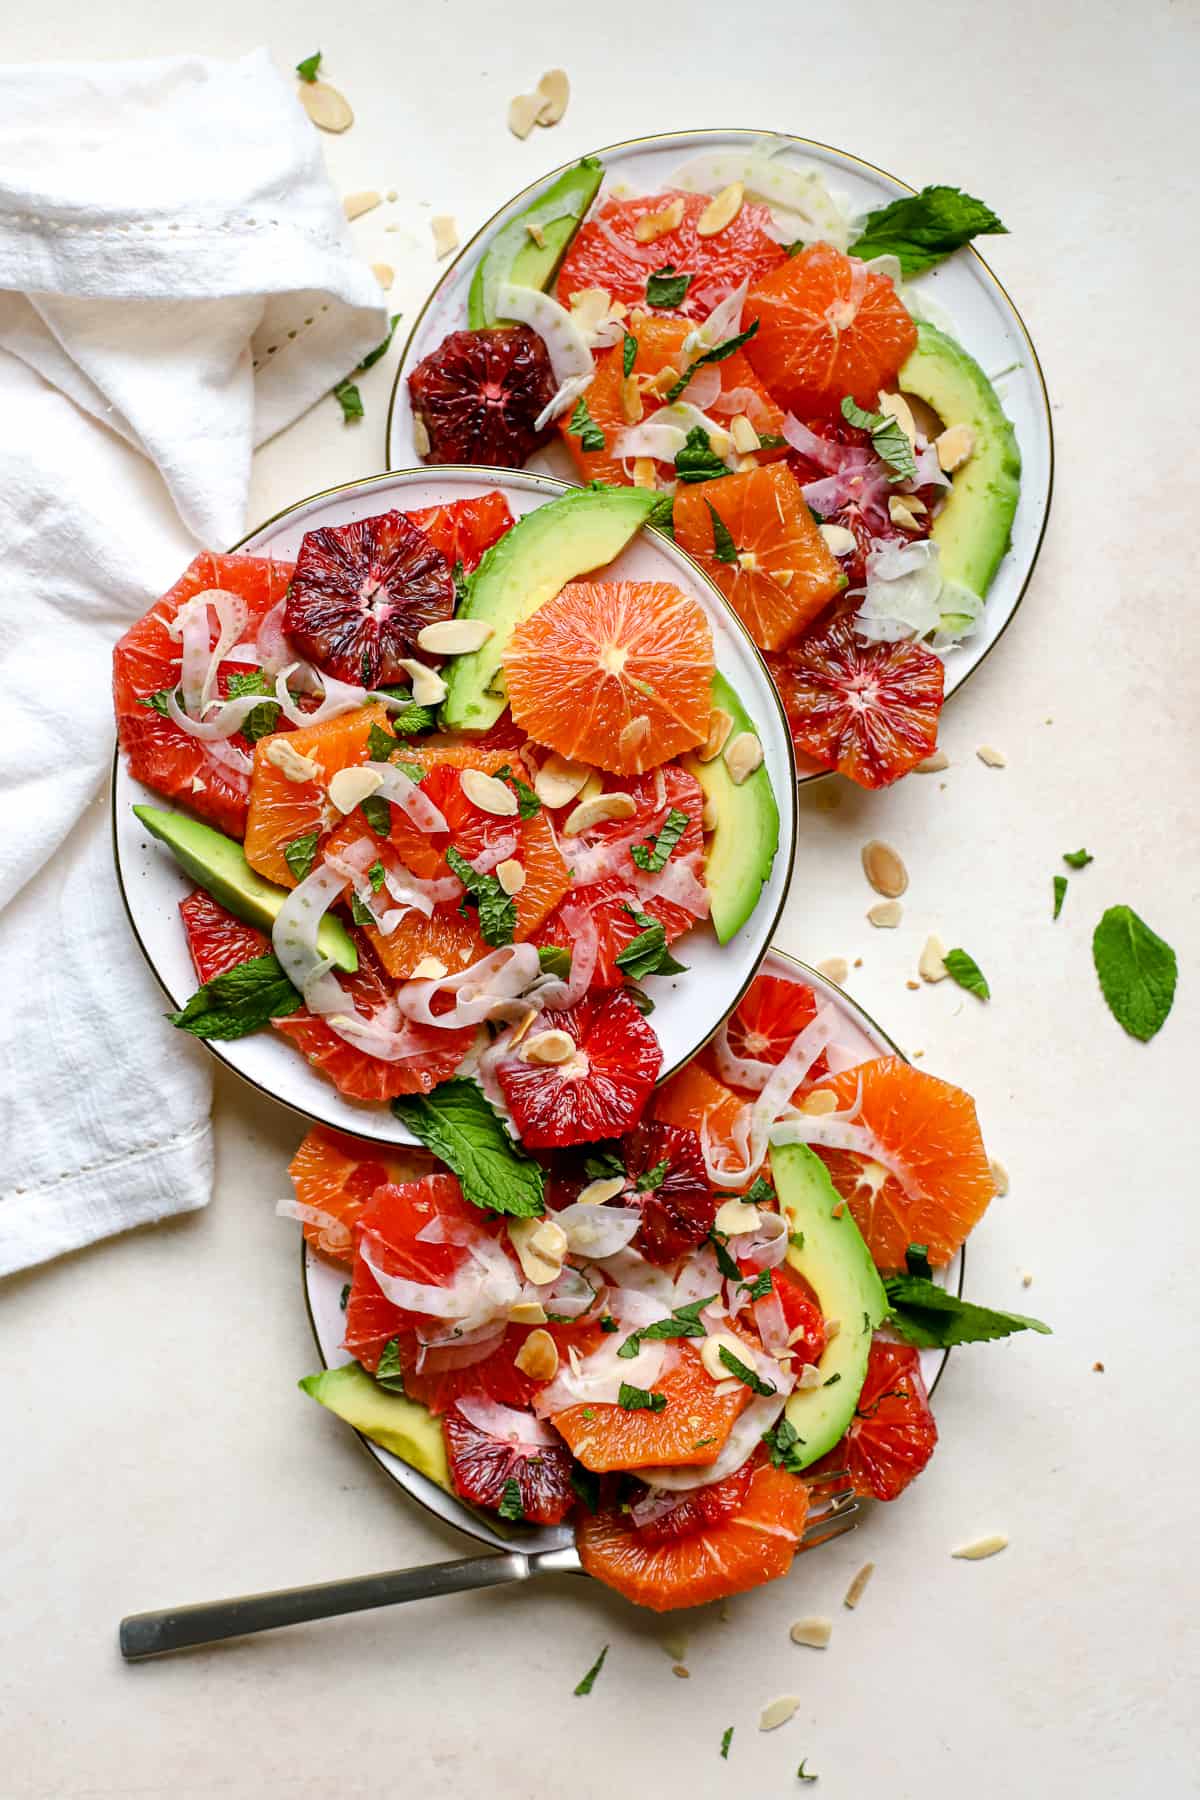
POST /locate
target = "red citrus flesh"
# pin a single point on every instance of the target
(216, 939)
(479, 394)
(599, 1092)
(677, 1202)
(893, 1433)
(482, 1466)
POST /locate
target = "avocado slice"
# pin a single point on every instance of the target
(219, 864)
(526, 567)
(836, 1263)
(515, 255)
(401, 1425)
(974, 528)
(743, 843)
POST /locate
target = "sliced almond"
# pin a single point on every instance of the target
(885, 915)
(643, 472)
(933, 765)
(420, 435)
(900, 513)
(558, 780)
(743, 465)
(1000, 1177)
(721, 210)
(289, 762)
(597, 1192)
(454, 637)
(511, 875)
(653, 225)
(326, 106)
(745, 438)
(541, 1246)
(536, 233)
(884, 868)
(660, 383)
(809, 1377)
(747, 559)
(348, 788)
(521, 1027)
(538, 1357)
(818, 1103)
(720, 724)
(734, 1218)
(995, 759)
(1027, 1279)
(632, 405)
(743, 756)
(384, 275)
(981, 1547)
(198, 785)
(838, 540)
(428, 688)
(430, 968)
(857, 1588)
(548, 1047)
(523, 113)
(555, 91)
(488, 794)
(834, 968)
(954, 447)
(709, 814)
(930, 965)
(598, 810)
(355, 205)
(527, 1312)
(815, 1633)
(445, 235)
(590, 308)
(633, 735)
(778, 1712)
(710, 1353)
(895, 406)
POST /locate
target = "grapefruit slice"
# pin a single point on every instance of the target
(282, 810)
(870, 711)
(752, 1545)
(826, 328)
(337, 1174)
(148, 659)
(482, 1467)
(937, 1183)
(782, 575)
(215, 938)
(616, 674)
(689, 1432)
(463, 529)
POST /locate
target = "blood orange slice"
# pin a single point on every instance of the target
(752, 1545)
(616, 674)
(337, 1174)
(463, 529)
(600, 1091)
(606, 253)
(282, 810)
(362, 593)
(482, 1467)
(696, 1510)
(677, 1202)
(932, 1182)
(826, 328)
(479, 395)
(782, 574)
(147, 661)
(215, 938)
(868, 710)
(689, 1431)
(893, 1434)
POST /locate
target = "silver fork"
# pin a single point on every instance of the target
(833, 1511)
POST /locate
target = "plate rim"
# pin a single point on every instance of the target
(423, 1490)
(786, 800)
(663, 139)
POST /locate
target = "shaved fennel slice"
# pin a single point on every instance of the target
(492, 988)
(563, 397)
(230, 716)
(565, 342)
(395, 785)
(598, 1231)
(505, 1423)
(756, 1118)
(294, 940)
(336, 1231)
(803, 206)
(202, 657)
(665, 435)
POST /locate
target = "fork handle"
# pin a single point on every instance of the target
(147, 1634)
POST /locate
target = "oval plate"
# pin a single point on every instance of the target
(984, 319)
(323, 1282)
(687, 1011)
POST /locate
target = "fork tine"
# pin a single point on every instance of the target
(829, 1503)
(832, 1525)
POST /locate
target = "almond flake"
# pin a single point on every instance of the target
(838, 540)
(855, 1591)
(953, 447)
(743, 756)
(817, 1104)
(914, 987)
(488, 794)
(420, 435)
(748, 560)
(933, 765)
(518, 1031)
(523, 112)
(710, 1353)
(884, 869)
(428, 688)
(326, 106)
(348, 788)
(289, 761)
(541, 1246)
(721, 210)
(355, 205)
(745, 438)
(538, 1357)
(454, 637)
(554, 90)
(511, 875)
(999, 1176)
(644, 475)
(527, 1312)
(981, 1547)
(678, 1669)
(815, 1633)
(384, 275)
(778, 1712)
(895, 406)
(536, 233)
(633, 736)
(548, 1047)
(720, 724)
(1027, 1279)
(558, 781)
(430, 968)
(834, 968)
(653, 225)
(598, 810)
(900, 513)
(597, 1192)
(995, 759)
(199, 786)
(809, 1376)
(632, 407)
(931, 966)
(445, 235)
(734, 1217)
(885, 915)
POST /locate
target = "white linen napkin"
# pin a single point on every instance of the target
(176, 285)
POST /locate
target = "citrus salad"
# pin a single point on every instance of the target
(743, 349)
(664, 1336)
(450, 796)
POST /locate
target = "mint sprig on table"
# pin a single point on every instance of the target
(921, 229)
(346, 392)
(932, 1318)
(307, 69)
(589, 1680)
(1060, 893)
(457, 1124)
(240, 1001)
(889, 440)
(1077, 859)
(1137, 971)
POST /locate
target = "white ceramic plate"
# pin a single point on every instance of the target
(981, 315)
(323, 1282)
(687, 1009)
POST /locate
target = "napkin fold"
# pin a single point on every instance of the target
(176, 285)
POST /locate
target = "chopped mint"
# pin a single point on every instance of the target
(603, 1164)
(636, 1399)
(748, 1377)
(759, 1193)
(497, 910)
(555, 959)
(1077, 859)
(725, 1263)
(684, 1322)
(462, 586)
(584, 427)
(350, 401)
(726, 1740)
(1060, 893)
(359, 912)
(388, 1372)
(412, 719)
(589, 1681)
(307, 69)
(796, 1240)
(651, 855)
(457, 1124)
(344, 1296)
(966, 971)
(376, 875)
(1137, 971)
(802, 1773)
(920, 229)
(771, 440)
(662, 515)
(380, 744)
(239, 1001)
(510, 1506)
(301, 854)
(724, 548)
(640, 998)
(263, 720)
(916, 1261)
(698, 461)
(933, 1318)
(629, 350)
(527, 801)
(715, 355)
(889, 440)
(586, 1484)
(373, 356)
(378, 813)
(608, 1323)
(666, 288)
(760, 1287)
(158, 702)
(784, 1444)
(647, 953)
(652, 1178)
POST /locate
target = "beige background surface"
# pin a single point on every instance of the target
(155, 1447)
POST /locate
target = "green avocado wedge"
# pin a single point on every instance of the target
(219, 864)
(399, 1424)
(516, 255)
(742, 846)
(828, 1250)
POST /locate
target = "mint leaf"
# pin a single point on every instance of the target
(378, 813)
(1077, 859)
(889, 440)
(715, 355)
(376, 875)
(359, 912)
(373, 356)
(647, 953)
(640, 998)
(784, 1446)
(240, 1001)
(1137, 971)
(916, 1261)
(724, 548)
(662, 515)
(263, 720)
(636, 1399)
(412, 719)
(584, 427)
(527, 801)
(726, 1740)
(497, 910)
(760, 1287)
(510, 1501)
(921, 229)
(725, 1263)
(301, 854)
(1060, 893)
(350, 401)
(666, 288)
(933, 1318)
(344, 1296)
(802, 1773)
(586, 1484)
(697, 461)
(589, 1681)
(684, 1322)
(629, 350)
(652, 1178)
(388, 1372)
(456, 1123)
(966, 971)
(748, 1377)
(307, 70)
(158, 702)
(554, 959)
(759, 1193)
(652, 853)
(380, 744)
(603, 1164)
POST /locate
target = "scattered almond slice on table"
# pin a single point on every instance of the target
(445, 235)
(855, 1591)
(778, 1712)
(995, 759)
(522, 114)
(384, 274)
(933, 765)
(999, 1176)
(326, 106)
(834, 968)
(355, 205)
(931, 966)
(814, 1633)
(884, 869)
(554, 91)
(885, 915)
(981, 1547)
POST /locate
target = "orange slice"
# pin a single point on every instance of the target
(690, 1430)
(282, 810)
(338, 1174)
